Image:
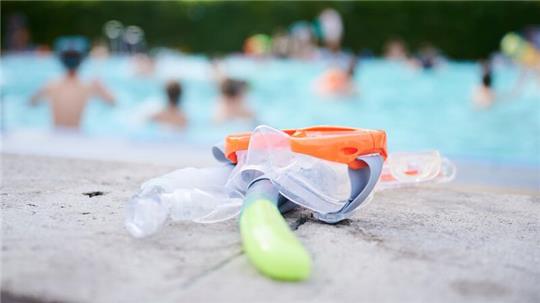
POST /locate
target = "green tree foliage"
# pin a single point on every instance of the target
(463, 30)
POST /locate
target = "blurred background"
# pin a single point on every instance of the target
(162, 82)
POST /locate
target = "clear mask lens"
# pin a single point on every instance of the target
(203, 205)
(316, 184)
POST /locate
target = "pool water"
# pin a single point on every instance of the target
(419, 110)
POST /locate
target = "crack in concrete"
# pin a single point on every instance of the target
(355, 228)
(191, 281)
(358, 230)
(94, 194)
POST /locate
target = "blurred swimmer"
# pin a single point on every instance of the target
(525, 55)
(395, 50)
(281, 44)
(428, 57)
(232, 104)
(521, 51)
(172, 115)
(484, 96)
(338, 81)
(99, 50)
(302, 42)
(143, 65)
(68, 96)
(134, 41)
(18, 37)
(259, 45)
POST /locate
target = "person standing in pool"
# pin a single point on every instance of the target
(483, 96)
(69, 95)
(172, 115)
(428, 58)
(338, 81)
(232, 104)
(395, 50)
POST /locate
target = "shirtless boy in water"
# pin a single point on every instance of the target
(483, 96)
(172, 115)
(232, 104)
(68, 96)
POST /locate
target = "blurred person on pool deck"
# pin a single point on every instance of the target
(69, 95)
(331, 31)
(172, 115)
(484, 96)
(18, 37)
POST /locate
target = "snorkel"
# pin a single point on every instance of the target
(328, 170)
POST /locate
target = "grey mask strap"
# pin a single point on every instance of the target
(363, 181)
(218, 151)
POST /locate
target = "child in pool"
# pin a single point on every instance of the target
(68, 96)
(395, 50)
(232, 104)
(172, 115)
(428, 58)
(338, 81)
(483, 96)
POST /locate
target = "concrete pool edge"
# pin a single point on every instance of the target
(429, 244)
(473, 173)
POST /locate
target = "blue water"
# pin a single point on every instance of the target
(419, 110)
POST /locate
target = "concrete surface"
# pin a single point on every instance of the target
(63, 241)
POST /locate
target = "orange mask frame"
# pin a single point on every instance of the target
(332, 143)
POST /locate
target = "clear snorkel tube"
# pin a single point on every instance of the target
(195, 194)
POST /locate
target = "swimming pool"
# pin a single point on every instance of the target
(419, 110)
